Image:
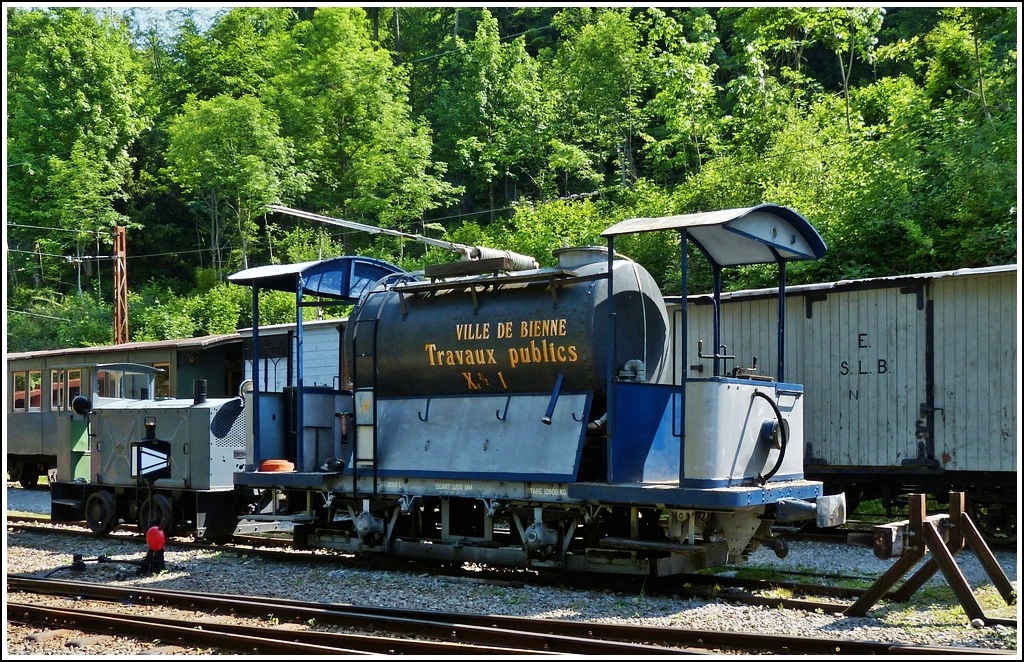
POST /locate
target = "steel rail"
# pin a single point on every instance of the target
(515, 630)
(680, 584)
(405, 622)
(242, 638)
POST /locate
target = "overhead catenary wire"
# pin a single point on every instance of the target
(466, 252)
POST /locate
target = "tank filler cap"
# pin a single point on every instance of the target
(633, 371)
(573, 257)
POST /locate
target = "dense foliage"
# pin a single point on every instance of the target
(894, 131)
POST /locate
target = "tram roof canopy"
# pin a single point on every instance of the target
(731, 237)
(344, 277)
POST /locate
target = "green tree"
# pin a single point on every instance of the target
(487, 115)
(537, 229)
(424, 32)
(598, 82)
(75, 104)
(305, 244)
(849, 32)
(345, 105)
(764, 72)
(84, 197)
(235, 56)
(685, 103)
(228, 153)
(218, 310)
(970, 201)
(55, 322)
(155, 313)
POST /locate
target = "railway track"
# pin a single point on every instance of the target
(856, 532)
(818, 592)
(408, 631)
(703, 585)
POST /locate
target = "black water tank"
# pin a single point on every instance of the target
(502, 336)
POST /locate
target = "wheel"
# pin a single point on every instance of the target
(101, 512)
(996, 520)
(29, 476)
(156, 511)
(29, 480)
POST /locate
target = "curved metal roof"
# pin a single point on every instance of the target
(345, 277)
(751, 235)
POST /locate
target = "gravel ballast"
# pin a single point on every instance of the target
(331, 582)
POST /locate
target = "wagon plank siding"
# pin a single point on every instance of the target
(976, 393)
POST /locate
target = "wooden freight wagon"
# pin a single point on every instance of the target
(910, 381)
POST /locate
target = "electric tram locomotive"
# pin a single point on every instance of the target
(492, 411)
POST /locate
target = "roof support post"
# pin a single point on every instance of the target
(610, 363)
(299, 423)
(256, 457)
(684, 286)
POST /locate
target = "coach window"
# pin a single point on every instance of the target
(18, 380)
(114, 384)
(74, 385)
(35, 384)
(106, 384)
(57, 390)
(163, 381)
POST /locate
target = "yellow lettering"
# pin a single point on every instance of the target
(473, 331)
(537, 328)
(458, 357)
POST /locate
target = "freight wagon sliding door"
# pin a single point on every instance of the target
(862, 362)
(975, 375)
